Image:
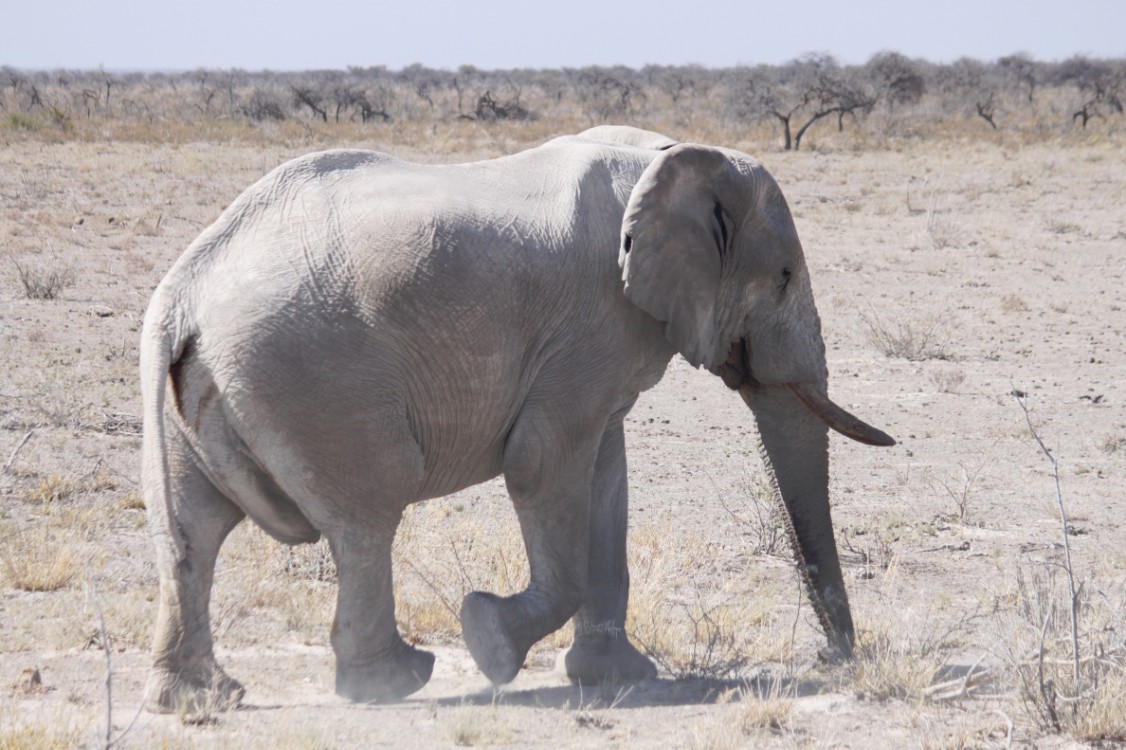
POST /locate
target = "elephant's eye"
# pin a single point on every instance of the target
(785, 279)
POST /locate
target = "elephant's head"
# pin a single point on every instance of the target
(710, 250)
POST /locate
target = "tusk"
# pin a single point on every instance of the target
(837, 418)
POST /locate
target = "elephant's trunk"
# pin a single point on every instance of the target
(795, 448)
(793, 421)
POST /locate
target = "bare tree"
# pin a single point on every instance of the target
(967, 81)
(1100, 85)
(373, 102)
(467, 76)
(489, 108)
(678, 82)
(25, 91)
(606, 92)
(263, 106)
(896, 79)
(207, 91)
(1022, 71)
(424, 81)
(108, 81)
(803, 92)
(310, 97)
(766, 94)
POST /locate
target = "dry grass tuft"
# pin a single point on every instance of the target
(769, 714)
(689, 626)
(888, 667)
(265, 574)
(758, 718)
(52, 489)
(443, 551)
(477, 726)
(42, 558)
(905, 656)
(1104, 717)
(15, 735)
(1064, 227)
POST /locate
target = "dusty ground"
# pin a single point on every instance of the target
(1009, 257)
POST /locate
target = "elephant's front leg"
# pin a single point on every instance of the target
(548, 472)
(601, 652)
(373, 662)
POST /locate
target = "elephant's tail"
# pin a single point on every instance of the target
(163, 337)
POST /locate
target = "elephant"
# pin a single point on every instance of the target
(357, 333)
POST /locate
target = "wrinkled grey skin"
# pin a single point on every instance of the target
(357, 333)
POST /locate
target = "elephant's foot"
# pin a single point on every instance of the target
(840, 647)
(489, 638)
(191, 691)
(389, 678)
(835, 655)
(607, 660)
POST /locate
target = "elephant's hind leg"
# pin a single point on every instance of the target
(601, 652)
(373, 662)
(187, 529)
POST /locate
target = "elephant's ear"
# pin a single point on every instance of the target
(675, 235)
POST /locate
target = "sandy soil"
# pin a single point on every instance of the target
(1010, 258)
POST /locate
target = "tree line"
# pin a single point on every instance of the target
(1016, 91)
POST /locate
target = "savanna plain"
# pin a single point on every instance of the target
(970, 286)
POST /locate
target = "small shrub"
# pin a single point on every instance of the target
(698, 640)
(944, 232)
(1114, 444)
(1084, 697)
(904, 340)
(44, 282)
(689, 628)
(947, 380)
(1064, 227)
(1013, 303)
(760, 518)
(17, 121)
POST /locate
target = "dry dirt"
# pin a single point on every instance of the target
(1009, 257)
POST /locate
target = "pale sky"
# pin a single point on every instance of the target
(493, 34)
